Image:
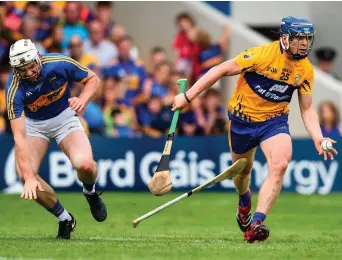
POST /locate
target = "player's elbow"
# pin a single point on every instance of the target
(97, 81)
(93, 80)
(228, 68)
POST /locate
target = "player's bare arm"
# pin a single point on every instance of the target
(227, 68)
(311, 122)
(91, 84)
(23, 159)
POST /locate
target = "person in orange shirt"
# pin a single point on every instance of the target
(258, 113)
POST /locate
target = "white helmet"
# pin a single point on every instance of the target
(23, 52)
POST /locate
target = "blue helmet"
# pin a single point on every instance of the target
(297, 27)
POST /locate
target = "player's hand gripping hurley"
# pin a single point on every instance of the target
(161, 180)
(230, 172)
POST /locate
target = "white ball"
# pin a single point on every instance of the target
(326, 145)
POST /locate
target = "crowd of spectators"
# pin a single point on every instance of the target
(133, 99)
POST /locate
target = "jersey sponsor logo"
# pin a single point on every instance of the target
(29, 93)
(269, 89)
(279, 88)
(274, 96)
(47, 99)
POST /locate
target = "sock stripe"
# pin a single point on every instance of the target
(57, 209)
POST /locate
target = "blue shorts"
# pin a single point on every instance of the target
(243, 136)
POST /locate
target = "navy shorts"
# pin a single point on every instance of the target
(243, 136)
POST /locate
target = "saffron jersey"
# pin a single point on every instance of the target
(268, 80)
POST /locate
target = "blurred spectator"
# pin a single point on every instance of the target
(153, 117)
(117, 34)
(96, 45)
(32, 9)
(186, 51)
(173, 88)
(329, 119)
(158, 84)
(214, 113)
(3, 80)
(103, 13)
(210, 53)
(158, 55)
(10, 20)
(54, 42)
(114, 92)
(19, 5)
(12, 15)
(76, 51)
(28, 30)
(121, 127)
(326, 57)
(132, 72)
(86, 15)
(5, 37)
(58, 7)
(72, 24)
(188, 125)
(93, 116)
(47, 21)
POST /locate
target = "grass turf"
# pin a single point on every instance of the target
(200, 227)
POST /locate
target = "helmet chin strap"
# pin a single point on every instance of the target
(286, 48)
(296, 56)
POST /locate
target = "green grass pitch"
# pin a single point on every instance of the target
(200, 227)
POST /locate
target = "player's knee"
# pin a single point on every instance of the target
(278, 168)
(247, 171)
(86, 165)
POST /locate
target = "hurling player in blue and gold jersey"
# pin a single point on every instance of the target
(258, 113)
(41, 109)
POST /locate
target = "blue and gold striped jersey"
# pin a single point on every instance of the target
(47, 97)
(264, 89)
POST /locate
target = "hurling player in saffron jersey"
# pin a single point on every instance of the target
(41, 109)
(258, 113)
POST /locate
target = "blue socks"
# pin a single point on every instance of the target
(57, 210)
(258, 216)
(244, 199)
(60, 212)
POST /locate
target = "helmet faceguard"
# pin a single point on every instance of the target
(22, 53)
(297, 28)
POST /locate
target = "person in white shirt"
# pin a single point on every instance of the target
(96, 45)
